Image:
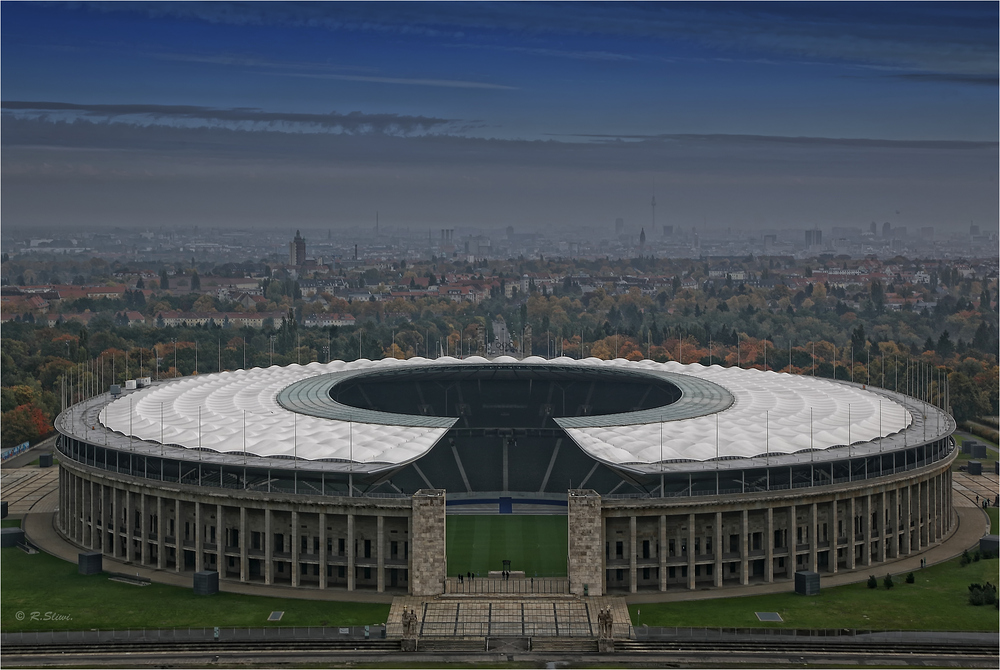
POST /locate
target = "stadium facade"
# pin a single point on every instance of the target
(339, 475)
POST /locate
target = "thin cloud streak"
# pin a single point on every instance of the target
(441, 83)
(235, 118)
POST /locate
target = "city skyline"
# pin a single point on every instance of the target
(557, 117)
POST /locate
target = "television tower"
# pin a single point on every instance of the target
(653, 205)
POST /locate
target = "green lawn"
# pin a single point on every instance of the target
(963, 459)
(936, 601)
(535, 544)
(10, 523)
(42, 583)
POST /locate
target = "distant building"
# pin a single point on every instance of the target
(297, 250)
(814, 237)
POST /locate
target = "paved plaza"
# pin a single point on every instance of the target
(967, 487)
(26, 489)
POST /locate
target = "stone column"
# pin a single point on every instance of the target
(295, 548)
(867, 529)
(745, 548)
(922, 514)
(178, 542)
(852, 538)
(379, 553)
(949, 499)
(73, 528)
(632, 575)
(813, 538)
(112, 524)
(322, 550)
(835, 535)
(144, 522)
(929, 515)
(221, 563)
(244, 546)
(199, 539)
(352, 553)
(792, 539)
(92, 487)
(161, 535)
(717, 546)
(906, 516)
(891, 526)
(769, 546)
(63, 500)
(691, 553)
(883, 527)
(268, 547)
(129, 510)
(65, 510)
(66, 481)
(428, 540)
(937, 508)
(663, 552)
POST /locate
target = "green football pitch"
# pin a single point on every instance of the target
(534, 544)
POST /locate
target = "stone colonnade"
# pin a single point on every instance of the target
(656, 544)
(292, 540)
(399, 543)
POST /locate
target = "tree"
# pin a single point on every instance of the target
(858, 339)
(195, 282)
(968, 400)
(24, 423)
(164, 280)
(945, 348)
(878, 296)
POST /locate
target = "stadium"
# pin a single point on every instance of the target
(600, 476)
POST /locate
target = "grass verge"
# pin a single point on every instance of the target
(42, 583)
(937, 600)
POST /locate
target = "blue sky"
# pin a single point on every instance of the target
(393, 106)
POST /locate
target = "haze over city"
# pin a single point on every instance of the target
(545, 117)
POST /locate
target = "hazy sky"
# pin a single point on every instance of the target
(528, 114)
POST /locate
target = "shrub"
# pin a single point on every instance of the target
(975, 557)
(872, 582)
(982, 594)
(910, 579)
(966, 559)
(887, 582)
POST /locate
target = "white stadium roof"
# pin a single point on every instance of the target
(237, 412)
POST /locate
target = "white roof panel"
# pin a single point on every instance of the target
(773, 412)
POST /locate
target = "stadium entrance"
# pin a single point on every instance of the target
(525, 546)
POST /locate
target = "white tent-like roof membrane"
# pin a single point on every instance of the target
(237, 412)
